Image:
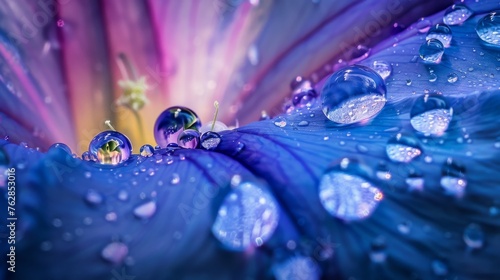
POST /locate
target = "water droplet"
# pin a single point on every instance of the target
(453, 178)
(61, 146)
(123, 195)
(452, 78)
(404, 227)
(346, 194)
(383, 68)
(280, 122)
(146, 150)
(441, 32)
(175, 179)
(474, 236)
(439, 268)
(264, 116)
(218, 126)
(93, 197)
(111, 217)
(146, 210)
(456, 14)
(353, 94)
(172, 122)
(377, 252)
(110, 147)
(488, 29)
(415, 182)
(57, 223)
(408, 82)
(359, 53)
(303, 123)
(431, 51)
(431, 114)
(247, 217)
(402, 148)
(189, 139)
(304, 98)
(87, 156)
(296, 268)
(423, 25)
(210, 140)
(115, 252)
(300, 84)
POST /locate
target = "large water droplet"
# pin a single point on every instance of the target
(210, 140)
(172, 122)
(297, 268)
(383, 68)
(189, 139)
(110, 147)
(353, 94)
(441, 32)
(456, 14)
(346, 194)
(247, 217)
(146, 210)
(431, 114)
(402, 148)
(488, 29)
(474, 236)
(115, 252)
(147, 150)
(453, 178)
(431, 51)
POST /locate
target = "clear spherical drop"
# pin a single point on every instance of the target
(297, 268)
(431, 51)
(403, 148)
(110, 147)
(210, 140)
(431, 114)
(474, 236)
(62, 147)
(346, 193)
(383, 68)
(115, 252)
(146, 150)
(488, 29)
(247, 217)
(353, 94)
(423, 25)
(441, 32)
(453, 179)
(189, 139)
(172, 122)
(456, 14)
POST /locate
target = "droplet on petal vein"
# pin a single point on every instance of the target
(346, 194)
(441, 32)
(353, 94)
(147, 150)
(110, 147)
(383, 68)
(146, 210)
(488, 29)
(115, 252)
(172, 122)
(402, 148)
(210, 140)
(431, 115)
(474, 236)
(453, 178)
(189, 139)
(456, 14)
(431, 51)
(247, 217)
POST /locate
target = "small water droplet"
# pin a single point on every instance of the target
(377, 252)
(280, 122)
(297, 267)
(111, 217)
(474, 236)
(453, 178)
(175, 179)
(403, 148)
(359, 53)
(303, 123)
(488, 29)
(441, 32)
(383, 68)
(93, 197)
(146, 150)
(110, 147)
(404, 227)
(415, 182)
(123, 195)
(115, 252)
(210, 140)
(146, 210)
(431, 51)
(452, 78)
(431, 114)
(408, 82)
(456, 14)
(353, 94)
(189, 139)
(61, 146)
(423, 25)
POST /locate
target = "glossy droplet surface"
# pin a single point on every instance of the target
(456, 14)
(423, 25)
(110, 147)
(279, 122)
(452, 78)
(403, 148)
(189, 139)
(488, 28)
(431, 51)
(146, 150)
(353, 94)
(172, 122)
(346, 194)
(210, 140)
(61, 146)
(431, 114)
(383, 68)
(441, 32)
(219, 126)
(453, 178)
(145, 210)
(297, 268)
(474, 236)
(247, 217)
(115, 252)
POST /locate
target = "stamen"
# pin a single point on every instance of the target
(216, 105)
(126, 69)
(108, 123)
